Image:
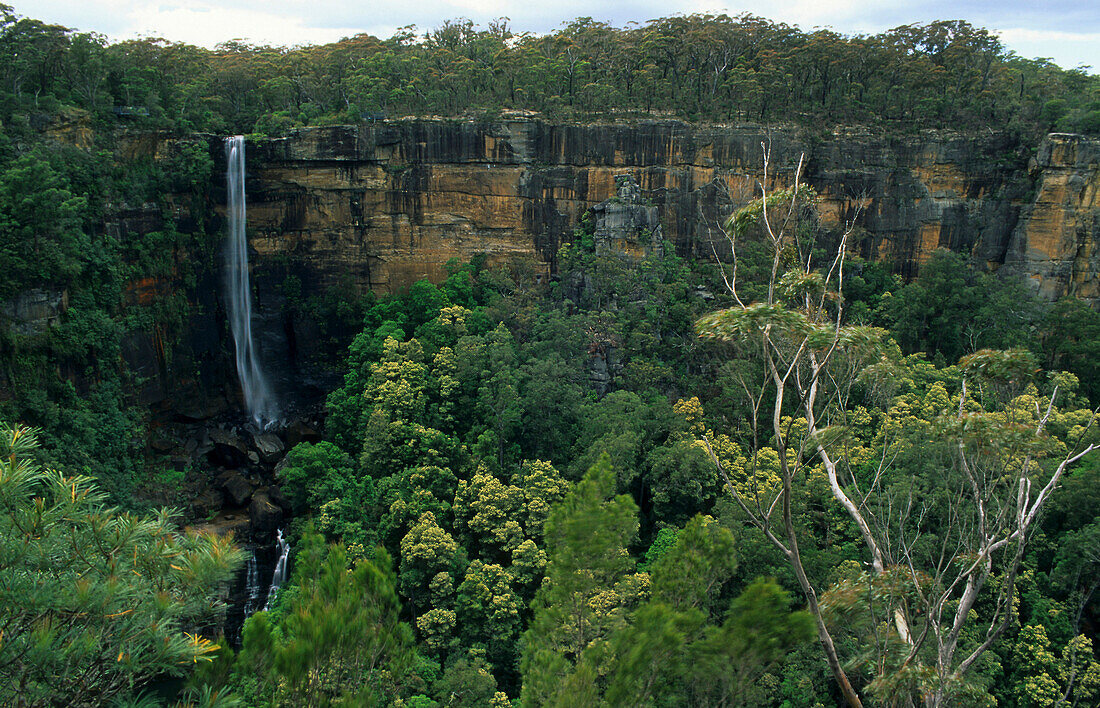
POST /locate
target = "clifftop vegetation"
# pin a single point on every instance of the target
(945, 74)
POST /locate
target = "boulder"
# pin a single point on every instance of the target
(228, 449)
(269, 447)
(237, 489)
(266, 516)
(163, 443)
(275, 494)
(300, 431)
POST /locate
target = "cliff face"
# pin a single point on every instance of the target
(377, 207)
(383, 205)
(1055, 241)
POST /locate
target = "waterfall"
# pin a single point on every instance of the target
(279, 576)
(249, 595)
(252, 586)
(258, 396)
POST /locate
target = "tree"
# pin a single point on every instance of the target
(315, 474)
(340, 639)
(999, 466)
(93, 601)
(588, 587)
(41, 240)
(1070, 338)
(426, 551)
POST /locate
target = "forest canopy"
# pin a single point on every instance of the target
(642, 480)
(700, 67)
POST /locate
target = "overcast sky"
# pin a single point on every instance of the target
(1067, 31)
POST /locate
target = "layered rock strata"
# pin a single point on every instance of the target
(375, 207)
(379, 206)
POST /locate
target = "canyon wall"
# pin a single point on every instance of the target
(378, 206)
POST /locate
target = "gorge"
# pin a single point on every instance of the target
(471, 367)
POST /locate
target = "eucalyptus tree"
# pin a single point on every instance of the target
(939, 534)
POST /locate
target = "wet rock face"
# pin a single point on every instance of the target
(380, 206)
(35, 311)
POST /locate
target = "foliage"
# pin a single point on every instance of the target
(699, 67)
(941, 490)
(339, 640)
(588, 586)
(94, 602)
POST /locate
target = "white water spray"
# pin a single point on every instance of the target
(279, 576)
(252, 586)
(258, 396)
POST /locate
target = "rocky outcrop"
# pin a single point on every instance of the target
(625, 223)
(34, 311)
(1055, 242)
(379, 206)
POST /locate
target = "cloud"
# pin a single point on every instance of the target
(1026, 34)
(208, 25)
(1067, 49)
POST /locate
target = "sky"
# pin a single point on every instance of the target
(1065, 31)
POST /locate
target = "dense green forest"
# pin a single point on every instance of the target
(645, 481)
(698, 67)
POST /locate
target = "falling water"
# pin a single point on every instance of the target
(252, 586)
(258, 397)
(279, 575)
(249, 594)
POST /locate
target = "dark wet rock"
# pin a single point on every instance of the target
(200, 407)
(269, 447)
(278, 470)
(162, 443)
(275, 494)
(301, 431)
(228, 449)
(266, 516)
(237, 489)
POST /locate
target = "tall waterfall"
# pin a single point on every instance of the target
(258, 396)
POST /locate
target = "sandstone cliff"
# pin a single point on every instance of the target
(1055, 240)
(389, 203)
(378, 206)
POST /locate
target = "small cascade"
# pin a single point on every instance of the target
(279, 576)
(249, 595)
(258, 397)
(252, 586)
